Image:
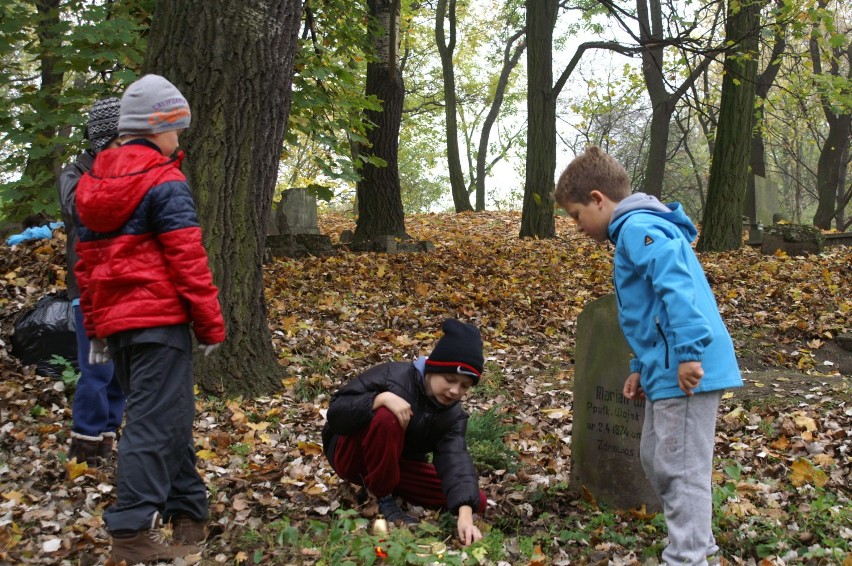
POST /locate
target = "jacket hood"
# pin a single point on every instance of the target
(119, 180)
(648, 204)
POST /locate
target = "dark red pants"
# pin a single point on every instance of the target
(373, 458)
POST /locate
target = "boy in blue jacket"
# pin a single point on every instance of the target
(670, 319)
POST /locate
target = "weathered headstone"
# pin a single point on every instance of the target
(607, 426)
(293, 230)
(760, 206)
(295, 213)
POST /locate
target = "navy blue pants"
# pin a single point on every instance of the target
(156, 457)
(98, 399)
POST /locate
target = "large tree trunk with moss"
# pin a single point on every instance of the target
(379, 193)
(446, 48)
(722, 224)
(43, 166)
(537, 215)
(234, 65)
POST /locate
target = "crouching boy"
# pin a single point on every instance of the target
(382, 425)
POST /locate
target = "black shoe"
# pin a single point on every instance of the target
(392, 513)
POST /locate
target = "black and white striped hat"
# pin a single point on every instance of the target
(103, 123)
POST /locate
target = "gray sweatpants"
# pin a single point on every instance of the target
(677, 454)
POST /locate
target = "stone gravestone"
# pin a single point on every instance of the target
(295, 213)
(607, 426)
(760, 206)
(293, 230)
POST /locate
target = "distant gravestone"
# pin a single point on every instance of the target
(293, 230)
(760, 206)
(295, 213)
(607, 426)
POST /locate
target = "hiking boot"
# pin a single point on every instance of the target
(106, 447)
(85, 449)
(148, 546)
(391, 511)
(186, 530)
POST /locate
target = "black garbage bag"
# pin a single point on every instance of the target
(47, 330)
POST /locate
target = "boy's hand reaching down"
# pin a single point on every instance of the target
(208, 349)
(689, 374)
(468, 532)
(632, 387)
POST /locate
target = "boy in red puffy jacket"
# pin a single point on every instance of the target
(144, 279)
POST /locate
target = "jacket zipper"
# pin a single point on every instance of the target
(663, 336)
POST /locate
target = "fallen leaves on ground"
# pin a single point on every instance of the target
(333, 316)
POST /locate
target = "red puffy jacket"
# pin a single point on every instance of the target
(141, 260)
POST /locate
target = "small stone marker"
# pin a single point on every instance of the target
(607, 426)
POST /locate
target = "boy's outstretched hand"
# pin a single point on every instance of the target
(632, 388)
(689, 374)
(468, 532)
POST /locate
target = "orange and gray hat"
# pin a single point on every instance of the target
(153, 105)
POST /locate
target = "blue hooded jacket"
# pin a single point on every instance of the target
(666, 308)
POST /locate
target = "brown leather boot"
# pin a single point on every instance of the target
(186, 530)
(106, 447)
(85, 449)
(148, 547)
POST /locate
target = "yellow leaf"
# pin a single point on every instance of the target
(780, 444)
(75, 469)
(806, 423)
(728, 395)
(205, 455)
(15, 495)
(310, 448)
(803, 472)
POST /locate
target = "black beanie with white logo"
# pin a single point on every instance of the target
(458, 351)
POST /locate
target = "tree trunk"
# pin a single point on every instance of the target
(461, 201)
(757, 157)
(378, 192)
(830, 165)
(234, 65)
(510, 60)
(537, 215)
(722, 225)
(43, 167)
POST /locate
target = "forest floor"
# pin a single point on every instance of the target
(782, 474)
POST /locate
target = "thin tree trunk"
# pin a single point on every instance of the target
(510, 60)
(234, 64)
(722, 225)
(461, 201)
(836, 142)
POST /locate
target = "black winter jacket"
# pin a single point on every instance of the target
(67, 186)
(433, 428)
